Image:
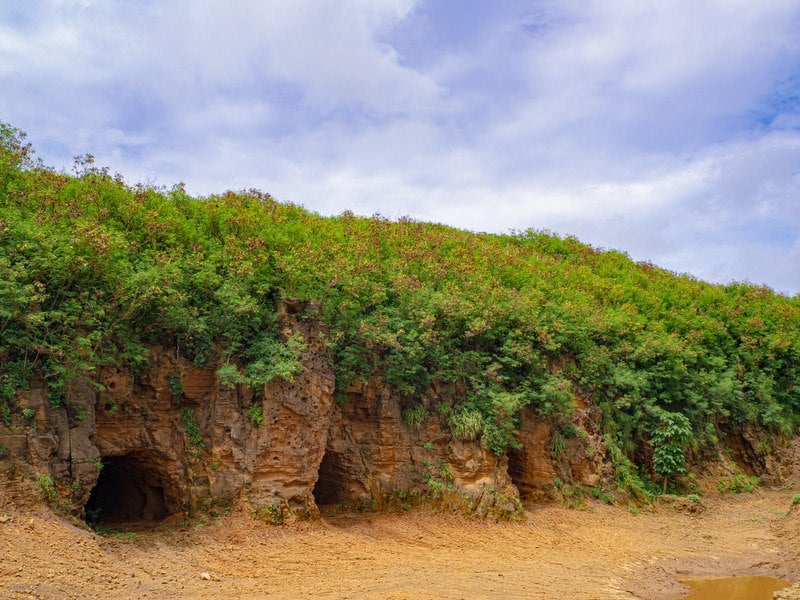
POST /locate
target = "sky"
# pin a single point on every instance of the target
(667, 129)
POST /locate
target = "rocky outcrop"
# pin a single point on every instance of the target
(757, 453)
(170, 439)
(745, 453)
(554, 455)
(374, 455)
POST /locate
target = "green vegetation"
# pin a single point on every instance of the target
(416, 416)
(92, 271)
(601, 495)
(466, 424)
(271, 512)
(670, 433)
(47, 487)
(192, 429)
(441, 481)
(118, 534)
(738, 483)
(175, 387)
(256, 414)
(558, 444)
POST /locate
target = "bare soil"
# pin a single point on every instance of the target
(599, 552)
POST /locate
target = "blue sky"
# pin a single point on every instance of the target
(669, 129)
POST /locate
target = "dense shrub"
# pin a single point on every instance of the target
(93, 270)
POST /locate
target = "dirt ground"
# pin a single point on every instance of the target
(598, 552)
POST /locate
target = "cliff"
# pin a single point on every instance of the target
(171, 439)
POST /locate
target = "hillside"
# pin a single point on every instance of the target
(664, 370)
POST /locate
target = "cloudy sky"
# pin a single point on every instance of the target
(669, 129)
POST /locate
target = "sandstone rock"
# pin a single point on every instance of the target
(551, 458)
(132, 437)
(373, 456)
(170, 439)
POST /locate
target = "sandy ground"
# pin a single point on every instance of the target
(598, 552)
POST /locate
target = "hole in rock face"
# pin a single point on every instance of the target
(516, 465)
(531, 470)
(129, 489)
(329, 488)
(518, 472)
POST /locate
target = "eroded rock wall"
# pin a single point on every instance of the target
(554, 454)
(183, 442)
(374, 454)
(174, 427)
(189, 443)
(54, 443)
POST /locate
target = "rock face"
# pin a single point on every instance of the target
(373, 455)
(553, 455)
(171, 439)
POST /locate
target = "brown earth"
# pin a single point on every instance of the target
(596, 552)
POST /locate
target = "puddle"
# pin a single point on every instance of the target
(733, 588)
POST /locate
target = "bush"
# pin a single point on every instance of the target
(466, 425)
(192, 428)
(558, 445)
(499, 430)
(256, 414)
(415, 416)
(738, 483)
(48, 489)
(175, 386)
(670, 433)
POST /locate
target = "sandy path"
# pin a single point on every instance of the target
(602, 552)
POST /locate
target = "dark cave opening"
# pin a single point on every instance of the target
(534, 479)
(129, 489)
(516, 471)
(329, 488)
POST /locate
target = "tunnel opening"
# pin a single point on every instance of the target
(129, 489)
(533, 474)
(329, 488)
(517, 471)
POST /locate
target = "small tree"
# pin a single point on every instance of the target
(670, 433)
(15, 153)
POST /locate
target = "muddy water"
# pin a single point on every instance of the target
(733, 588)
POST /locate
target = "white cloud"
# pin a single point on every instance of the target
(668, 130)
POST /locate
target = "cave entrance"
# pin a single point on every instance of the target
(330, 488)
(517, 471)
(129, 489)
(532, 472)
